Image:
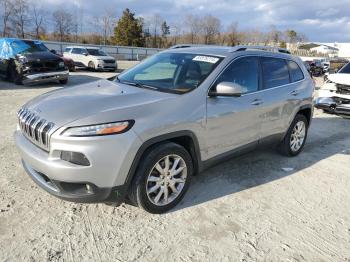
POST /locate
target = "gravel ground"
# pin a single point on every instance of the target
(246, 209)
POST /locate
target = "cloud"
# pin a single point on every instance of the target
(326, 21)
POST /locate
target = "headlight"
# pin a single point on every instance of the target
(99, 130)
(22, 59)
(61, 64)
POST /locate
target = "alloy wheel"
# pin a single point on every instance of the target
(298, 136)
(166, 180)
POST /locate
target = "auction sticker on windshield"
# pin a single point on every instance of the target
(208, 59)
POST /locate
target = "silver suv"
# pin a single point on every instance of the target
(143, 136)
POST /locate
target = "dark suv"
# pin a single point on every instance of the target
(28, 62)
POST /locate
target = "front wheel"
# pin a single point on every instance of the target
(294, 141)
(162, 178)
(63, 82)
(14, 76)
(91, 66)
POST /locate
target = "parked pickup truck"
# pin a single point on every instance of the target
(30, 62)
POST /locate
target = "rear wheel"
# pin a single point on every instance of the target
(162, 178)
(294, 141)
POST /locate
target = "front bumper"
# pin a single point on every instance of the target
(106, 66)
(333, 105)
(45, 77)
(104, 180)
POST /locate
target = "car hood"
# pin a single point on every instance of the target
(70, 104)
(339, 78)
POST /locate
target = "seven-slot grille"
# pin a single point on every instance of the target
(36, 129)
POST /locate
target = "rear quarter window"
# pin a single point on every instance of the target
(67, 50)
(296, 73)
(275, 72)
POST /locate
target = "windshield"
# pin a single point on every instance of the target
(32, 46)
(345, 69)
(171, 72)
(96, 52)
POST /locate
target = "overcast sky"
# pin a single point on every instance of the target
(319, 20)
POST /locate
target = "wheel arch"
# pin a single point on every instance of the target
(306, 111)
(185, 138)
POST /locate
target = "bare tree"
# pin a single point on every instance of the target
(211, 28)
(233, 34)
(155, 23)
(6, 12)
(20, 18)
(38, 18)
(194, 25)
(63, 24)
(275, 36)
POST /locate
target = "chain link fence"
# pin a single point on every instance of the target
(119, 52)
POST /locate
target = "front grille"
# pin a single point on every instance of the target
(343, 89)
(42, 67)
(36, 129)
(109, 61)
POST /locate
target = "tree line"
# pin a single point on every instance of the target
(24, 19)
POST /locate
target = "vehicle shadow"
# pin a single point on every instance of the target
(266, 165)
(75, 78)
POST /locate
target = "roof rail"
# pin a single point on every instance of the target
(259, 47)
(183, 46)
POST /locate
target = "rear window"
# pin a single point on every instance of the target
(275, 72)
(295, 72)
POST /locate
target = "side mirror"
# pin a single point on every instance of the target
(85, 54)
(227, 89)
(53, 51)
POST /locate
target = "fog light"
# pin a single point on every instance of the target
(89, 189)
(75, 158)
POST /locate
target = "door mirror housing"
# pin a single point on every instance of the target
(227, 89)
(53, 51)
(85, 54)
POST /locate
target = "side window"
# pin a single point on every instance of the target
(275, 72)
(76, 51)
(295, 72)
(244, 72)
(67, 50)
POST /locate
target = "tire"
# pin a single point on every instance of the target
(13, 75)
(286, 147)
(64, 81)
(144, 188)
(91, 66)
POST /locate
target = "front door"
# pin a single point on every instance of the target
(234, 122)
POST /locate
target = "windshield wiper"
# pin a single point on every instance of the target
(137, 84)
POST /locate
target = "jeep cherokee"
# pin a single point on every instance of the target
(143, 136)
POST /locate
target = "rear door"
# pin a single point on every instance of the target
(279, 94)
(234, 122)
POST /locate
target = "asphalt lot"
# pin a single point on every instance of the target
(247, 209)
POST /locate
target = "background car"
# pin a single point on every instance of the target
(29, 61)
(91, 57)
(69, 63)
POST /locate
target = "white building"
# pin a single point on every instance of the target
(344, 49)
(325, 49)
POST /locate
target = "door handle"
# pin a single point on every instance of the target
(295, 93)
(257, 102)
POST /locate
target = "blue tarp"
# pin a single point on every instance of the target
(10, 47)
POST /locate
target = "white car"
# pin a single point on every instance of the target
(334, 96)
(92, 58)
